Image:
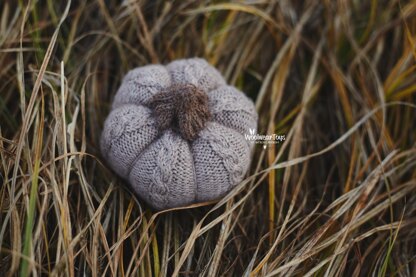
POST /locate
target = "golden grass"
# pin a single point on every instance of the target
(337, 198)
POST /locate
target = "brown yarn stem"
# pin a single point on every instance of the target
(182, 107)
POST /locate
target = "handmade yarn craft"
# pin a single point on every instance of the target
(176, 133)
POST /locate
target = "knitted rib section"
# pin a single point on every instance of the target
(196, 72)
(128, 130)
(221, 158)
(141, 84)
(233, 109)
(162, 173)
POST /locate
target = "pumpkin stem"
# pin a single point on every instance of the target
(182, 107)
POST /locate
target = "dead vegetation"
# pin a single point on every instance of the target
(337, 198)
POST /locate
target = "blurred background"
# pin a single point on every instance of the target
(336, 198)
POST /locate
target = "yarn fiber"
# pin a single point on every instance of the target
(176, 133)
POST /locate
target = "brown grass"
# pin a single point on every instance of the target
(337, 198)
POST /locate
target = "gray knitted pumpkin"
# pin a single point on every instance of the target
(176, 133)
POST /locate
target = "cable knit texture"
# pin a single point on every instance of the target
(176, 133)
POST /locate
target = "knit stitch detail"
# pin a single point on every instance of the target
(143, 139)
(221, 145)
(162, 174)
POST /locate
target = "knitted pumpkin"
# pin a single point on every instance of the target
(176, 133)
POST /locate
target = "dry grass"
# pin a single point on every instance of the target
(337, 198)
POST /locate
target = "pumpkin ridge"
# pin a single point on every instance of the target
(162, 174)
(138, 155)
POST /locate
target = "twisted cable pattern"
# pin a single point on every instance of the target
(162, 174)
(164, 166)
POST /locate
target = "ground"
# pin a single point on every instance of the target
(337, 197)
